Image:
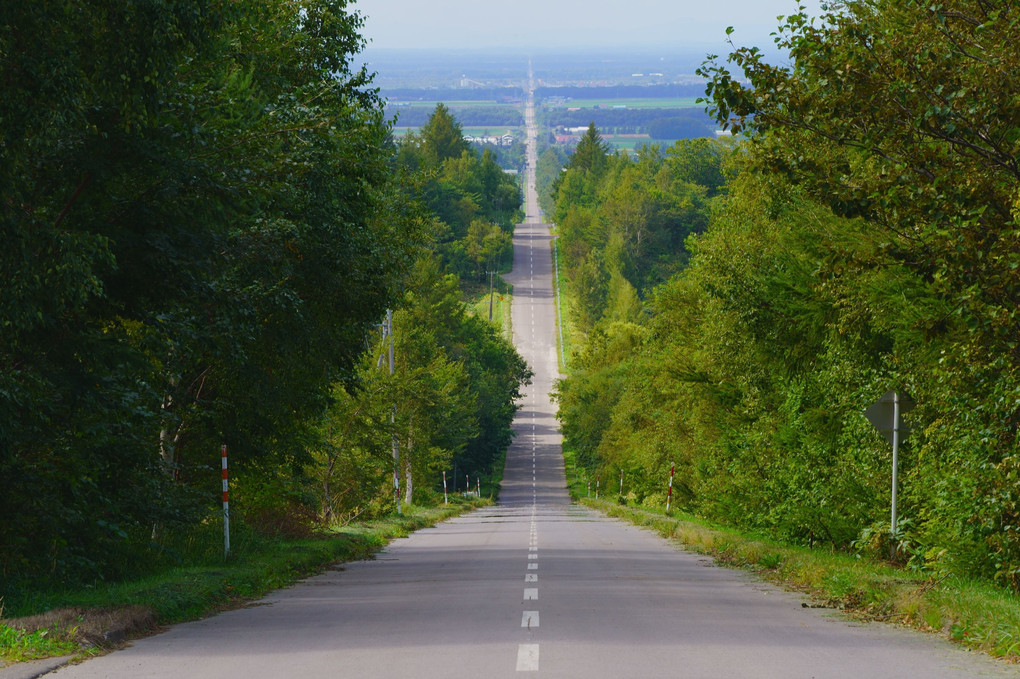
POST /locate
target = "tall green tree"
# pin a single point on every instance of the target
(591, 152)
(442, 137)
(193, 197)
(903, 114)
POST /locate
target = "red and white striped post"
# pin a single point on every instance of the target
(589, 487)
(467, 484)
(226, 503)
(478, 487)
(669, 493)
(446, 500)
(598, 484)
(621, 483)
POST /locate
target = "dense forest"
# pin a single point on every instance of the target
(470, 116)
(205, 220)
(740, 306)
(659, 123)
(670, 91)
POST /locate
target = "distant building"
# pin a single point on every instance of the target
(501, 140)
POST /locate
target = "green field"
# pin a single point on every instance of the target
(628, 144)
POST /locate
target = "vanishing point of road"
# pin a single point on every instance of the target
(534, 586)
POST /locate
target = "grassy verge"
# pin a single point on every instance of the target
(976, 614)
(82, 621)
(502, 298)
(564, 342)
(577, 479)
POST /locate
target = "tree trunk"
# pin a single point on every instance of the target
(408, 482)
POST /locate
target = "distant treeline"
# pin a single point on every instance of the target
(456, 94)
(623, 91)
(659, 123)
(494, 116)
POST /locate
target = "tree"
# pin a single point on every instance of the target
(197, 200)
(442, 137)
(590, 153)
(904, 114)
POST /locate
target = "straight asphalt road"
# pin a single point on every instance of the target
(535, 586)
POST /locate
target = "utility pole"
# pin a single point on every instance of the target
(393, 419)
(491, 274)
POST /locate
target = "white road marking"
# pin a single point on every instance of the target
(527, 658)
(532, 556)
(529, 619)
(531, 593)
(531, 577)
(533, 548)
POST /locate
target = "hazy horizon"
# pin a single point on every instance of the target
(552, 25)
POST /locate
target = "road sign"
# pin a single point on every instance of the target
(887, 416)
(880, 414)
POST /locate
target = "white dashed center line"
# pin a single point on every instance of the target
(527, 658)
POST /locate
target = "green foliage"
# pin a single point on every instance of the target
(468, 192)
(201, 228)
(903, 114)
(862, 238)
(590, 153)
(623, 223)
(17, 645)
(450, 401)
(442, 137)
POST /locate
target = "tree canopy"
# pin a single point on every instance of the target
(202, 231)
(862, 238)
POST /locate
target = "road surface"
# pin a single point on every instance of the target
(534, 586)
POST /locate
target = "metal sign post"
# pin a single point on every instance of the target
(885, 414)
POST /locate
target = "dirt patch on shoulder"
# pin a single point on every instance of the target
(104, 627)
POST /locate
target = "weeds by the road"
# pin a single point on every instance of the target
(976, 614)
(64, 622)
(18, 645)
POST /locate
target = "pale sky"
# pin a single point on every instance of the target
(571, 23)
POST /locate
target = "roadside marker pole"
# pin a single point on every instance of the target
(895, 465)
(478, 487)
(589, 487)
(598, 483)
(621, 483)
(669, 493)
(446, 500)
(467, 484)
(226, 503)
